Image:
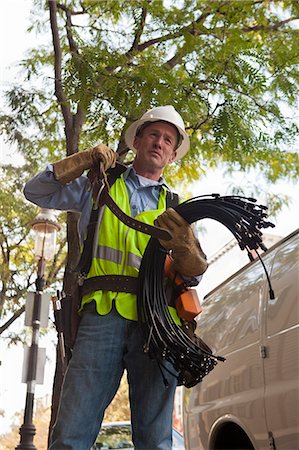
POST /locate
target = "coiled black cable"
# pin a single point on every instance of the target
(164, 340)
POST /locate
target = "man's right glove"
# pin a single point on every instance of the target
(73, 166)
(188, 257)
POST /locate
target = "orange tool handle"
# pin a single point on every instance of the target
(187, 304)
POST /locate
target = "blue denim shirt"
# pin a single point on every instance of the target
(76, 196)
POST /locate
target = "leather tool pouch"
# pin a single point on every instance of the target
(70, 304)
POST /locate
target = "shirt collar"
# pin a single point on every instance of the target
(131, 173)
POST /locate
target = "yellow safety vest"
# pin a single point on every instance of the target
(119, 252)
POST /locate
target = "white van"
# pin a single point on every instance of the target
(251, 400)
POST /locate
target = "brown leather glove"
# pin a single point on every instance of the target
(188, 257)
(73, 166)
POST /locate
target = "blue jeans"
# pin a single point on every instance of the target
(105, 346)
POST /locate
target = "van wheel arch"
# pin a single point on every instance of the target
(230, 436)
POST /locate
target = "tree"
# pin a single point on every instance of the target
(17, 265)
(229, 67)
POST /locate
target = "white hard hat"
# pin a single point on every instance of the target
(167, 114)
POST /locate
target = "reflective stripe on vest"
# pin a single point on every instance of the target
(113, 255)
(109, 254)
(134, 260)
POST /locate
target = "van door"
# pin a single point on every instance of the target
(282, 348)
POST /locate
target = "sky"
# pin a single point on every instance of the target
(14, 42)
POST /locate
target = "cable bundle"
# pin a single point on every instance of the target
(164, 340)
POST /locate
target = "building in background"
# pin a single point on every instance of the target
(228, 260)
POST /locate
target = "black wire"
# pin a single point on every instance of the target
(164, 339)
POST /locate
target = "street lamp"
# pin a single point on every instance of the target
(45, 227)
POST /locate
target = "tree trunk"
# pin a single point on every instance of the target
(56, 390)
(73, 126)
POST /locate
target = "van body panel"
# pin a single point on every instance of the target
(282, 346)
(256, 387)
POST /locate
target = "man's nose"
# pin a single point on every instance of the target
(158, 141)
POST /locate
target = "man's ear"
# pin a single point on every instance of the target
(172, 157)
(135, 142)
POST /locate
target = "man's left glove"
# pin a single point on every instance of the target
(188, 257)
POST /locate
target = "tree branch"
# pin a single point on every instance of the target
(59, 91)
(139, 30)
(12, 319)
(197, 125)
(77, 119)
(73, 13)
(177, 58)
(21, 239)
(72, 44)
(193, 30)
(158, 40)
(270, 27)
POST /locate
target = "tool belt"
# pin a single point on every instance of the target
(114, 283)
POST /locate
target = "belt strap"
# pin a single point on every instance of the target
(114, 283)
(155, 232)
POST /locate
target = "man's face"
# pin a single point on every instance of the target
(156, 146)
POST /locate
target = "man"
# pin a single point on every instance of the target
(108, 339)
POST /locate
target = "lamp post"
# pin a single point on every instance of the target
(45, 227)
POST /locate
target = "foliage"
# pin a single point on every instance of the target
(118, 411)
(17, 264)
(229, 67)
(10, 440)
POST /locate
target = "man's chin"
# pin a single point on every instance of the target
(156, 163)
